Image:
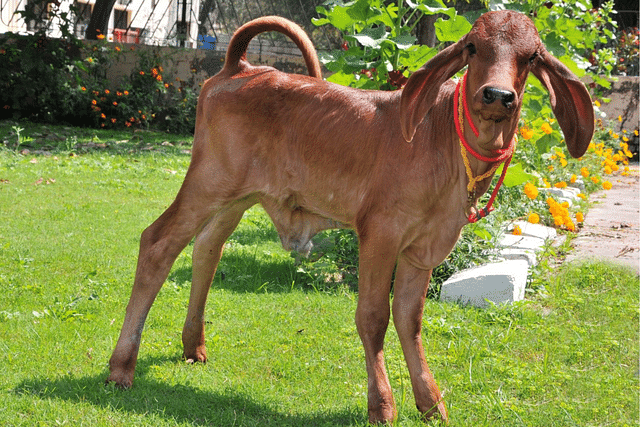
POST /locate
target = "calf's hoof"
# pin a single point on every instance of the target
(439, 412)
(122, 378)
(385, 414)
(194, 356)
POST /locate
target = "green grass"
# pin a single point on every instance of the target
(282, 351)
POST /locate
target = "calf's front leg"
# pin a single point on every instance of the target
(377, 261)
(409, 293)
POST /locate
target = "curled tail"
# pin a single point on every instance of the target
(240, 41)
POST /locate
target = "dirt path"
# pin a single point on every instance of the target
(612, 226)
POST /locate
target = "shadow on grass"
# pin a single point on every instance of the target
(177, 403)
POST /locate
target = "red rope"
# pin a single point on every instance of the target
(502, 155)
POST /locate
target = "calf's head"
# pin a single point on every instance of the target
(500, 51)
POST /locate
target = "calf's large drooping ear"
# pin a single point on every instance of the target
(421, 91)
(570, 102)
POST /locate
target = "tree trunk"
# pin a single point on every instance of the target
(99, 22)
(206, 8)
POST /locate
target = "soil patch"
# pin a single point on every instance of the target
(612, 226)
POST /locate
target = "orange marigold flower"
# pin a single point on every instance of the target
(546, 128)
(526, 132)
(584, 172)
(126, 92)
(100, 36)
(579, 217)
(533, 218)
(560, 184)
(573, 179)
(595, 179)
(94, 102)
(530, 190)
(517, 231)
(607, 185)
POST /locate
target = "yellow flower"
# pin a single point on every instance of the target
(573, 179)
(517, 230)
(546, 128)
(100, 36)
(563, 162)
(597, 103)
(607, 185)
(582, 196)
(560, 184)
(579, 217)
(530, 190)
(607, 170)
(89, 60)
(595, 179)
(526, 132)
(534, 218)
(584, 172)
(620, 119)
(550, 168)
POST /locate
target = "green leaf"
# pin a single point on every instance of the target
(544, 143)
(370, 37)
(516, 176)
(453, 29)
(342, 79)
(362, 11)
(405, 41)
(416, 56)
(554, 45)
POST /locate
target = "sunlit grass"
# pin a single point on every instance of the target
(281, 352)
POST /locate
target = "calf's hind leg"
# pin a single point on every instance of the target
(207, 251)
(160, 244)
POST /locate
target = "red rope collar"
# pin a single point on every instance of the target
(503, 155)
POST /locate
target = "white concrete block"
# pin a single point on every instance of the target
(520, 254)
(561, 194)
(534, 230)
(509, 241)
(498, 282)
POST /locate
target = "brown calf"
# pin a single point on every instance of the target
(317, 155)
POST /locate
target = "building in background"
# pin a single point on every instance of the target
(153, 22)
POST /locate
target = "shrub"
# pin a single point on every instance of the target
(65, 80)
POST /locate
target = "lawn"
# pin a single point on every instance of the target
(282, 351)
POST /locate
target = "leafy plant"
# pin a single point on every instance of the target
(380, 50)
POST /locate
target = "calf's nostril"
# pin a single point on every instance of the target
(491, 94)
